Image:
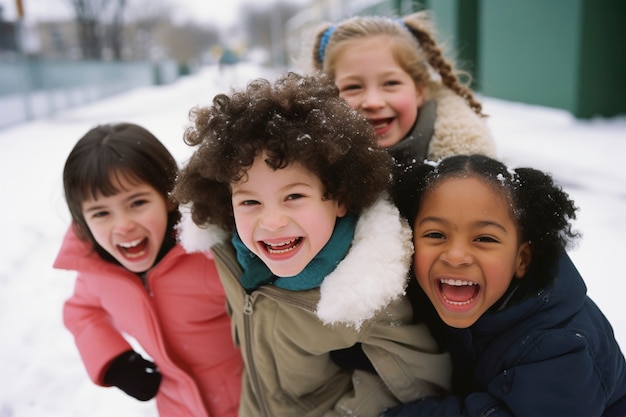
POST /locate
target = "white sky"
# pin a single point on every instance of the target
(221, 12)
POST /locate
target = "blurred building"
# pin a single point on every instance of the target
(568, 54)
(59, 40)
(8, 37)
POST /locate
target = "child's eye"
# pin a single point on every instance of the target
(248, 203)
(139, 203)
(392, 82)
(294, 197)
(99, 214)
(350, 87)
(434, 235)
(486, 239)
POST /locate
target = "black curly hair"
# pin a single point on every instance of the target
(299, 119)
(541, 209)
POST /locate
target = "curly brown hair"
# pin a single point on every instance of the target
(414, 46)
(297, 119)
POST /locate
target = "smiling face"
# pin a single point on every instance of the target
(129, 225)
(282, 215)
(467, 249)
(372, 82)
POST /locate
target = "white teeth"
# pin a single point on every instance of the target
(457, 282)
(130, 244)
(275, 251)
(286, 246)
(458, 303)
(288, 242)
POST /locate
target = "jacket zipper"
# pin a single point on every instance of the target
(248, 309)
(247, 324)
(146, 285)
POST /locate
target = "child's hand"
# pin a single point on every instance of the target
(134, 375)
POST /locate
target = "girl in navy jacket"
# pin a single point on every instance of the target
(490, 255)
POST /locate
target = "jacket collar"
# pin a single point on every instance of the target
(551, 305)
(373, 273)
(414, 147)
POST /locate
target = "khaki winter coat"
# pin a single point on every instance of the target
(287, 336)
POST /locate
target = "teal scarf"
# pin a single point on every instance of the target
(256, 273)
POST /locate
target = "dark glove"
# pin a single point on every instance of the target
(134, 375)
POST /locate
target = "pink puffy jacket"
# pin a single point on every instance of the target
(179, 319)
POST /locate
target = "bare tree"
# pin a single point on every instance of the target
(138, 29)
(265, 27)
(100, 24)
(115, 29)
(187, 42)
(145, 23)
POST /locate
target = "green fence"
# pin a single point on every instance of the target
(35, 88)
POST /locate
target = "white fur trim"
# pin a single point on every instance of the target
(458, 129)
(373, 273)
(195, 238)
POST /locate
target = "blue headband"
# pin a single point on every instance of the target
(325, 37)
(329, 32)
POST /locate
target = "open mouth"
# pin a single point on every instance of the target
(379, 124)
(134, 249)
(282, 247)
(458, 292)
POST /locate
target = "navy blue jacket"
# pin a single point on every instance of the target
(553, 354)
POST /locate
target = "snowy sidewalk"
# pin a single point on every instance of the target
(42, 374)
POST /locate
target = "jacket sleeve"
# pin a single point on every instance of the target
(368, 397)
(97, 340)
(408, 366)
(450, 406)
(408, 360)
(546, 381)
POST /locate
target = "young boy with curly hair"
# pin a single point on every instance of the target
(290, 184)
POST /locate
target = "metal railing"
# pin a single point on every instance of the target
(31, 88)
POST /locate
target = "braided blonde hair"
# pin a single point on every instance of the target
(413, 44)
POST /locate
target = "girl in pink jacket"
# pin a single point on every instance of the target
(134, 280)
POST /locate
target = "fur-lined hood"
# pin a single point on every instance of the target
(458, 129)
(373, 273)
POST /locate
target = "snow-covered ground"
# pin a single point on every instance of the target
(41, 371)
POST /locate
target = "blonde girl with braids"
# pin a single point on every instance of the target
(393, 72)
